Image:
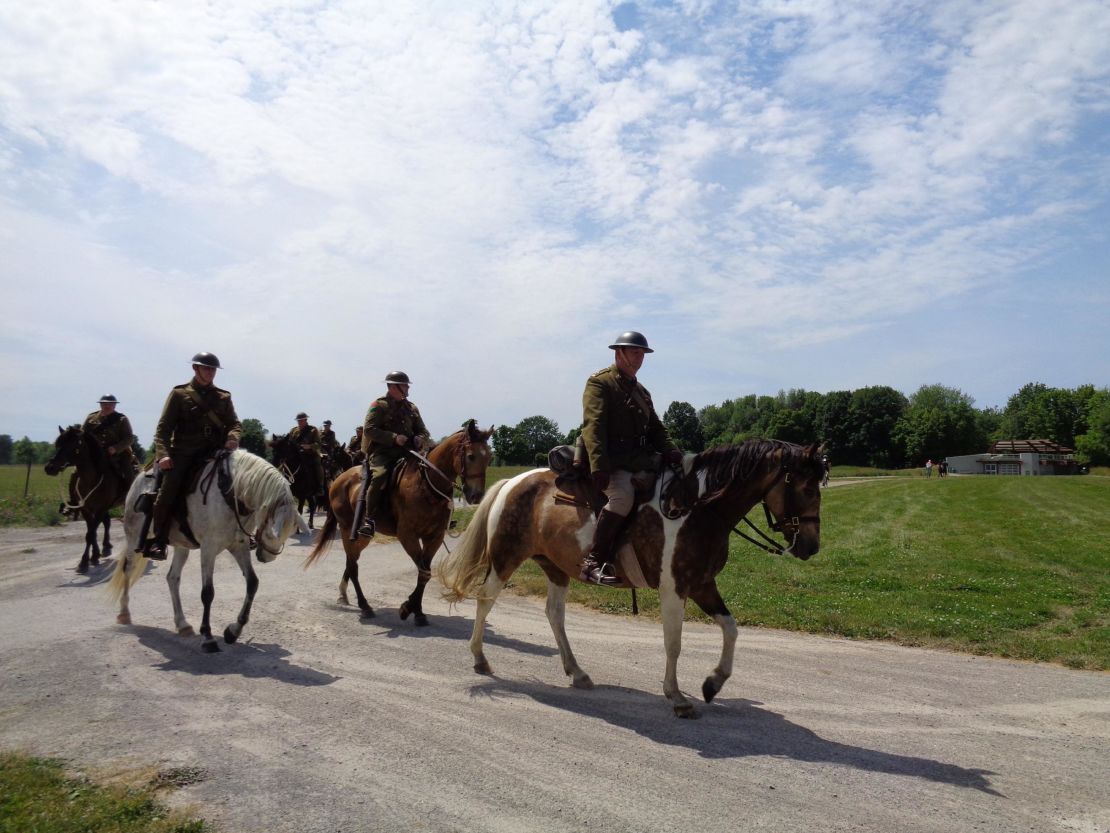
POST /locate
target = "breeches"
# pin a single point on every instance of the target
(174, 479)
(621, 493)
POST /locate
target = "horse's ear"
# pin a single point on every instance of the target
(488, 432)
(61, 430)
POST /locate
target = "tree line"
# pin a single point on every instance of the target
(873, 426)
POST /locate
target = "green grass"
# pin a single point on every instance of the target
(864, 471)
(40, 506)
(1006, 566)
(37, 796)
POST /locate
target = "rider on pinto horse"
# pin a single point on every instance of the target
(393, 425)
(197, 419)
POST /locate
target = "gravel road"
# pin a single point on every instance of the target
(321, 721)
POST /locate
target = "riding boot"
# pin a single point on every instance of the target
(156, 547)
(361, 525)
(373, 498)
(597, 566)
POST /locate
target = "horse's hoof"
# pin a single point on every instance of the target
(368, 613)
(404, 611)
(107, 551)
(483, 667)
(212, 647)
(83, 568)
(686, 712)
(343, 600)
(708, 690)
(94, 562)
(123, 619)
(421, 620)
(583, 682)
(186, 631)
(230, 636)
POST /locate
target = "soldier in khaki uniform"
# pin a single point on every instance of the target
(328, 440)
(622, 434)
(392, 426)
(197, 420)
(354, 447)
(112, 432)
(307, 438)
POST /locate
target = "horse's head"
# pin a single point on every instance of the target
(793, 498)
(280, 446)
(472, 458)
(280, 522)
(67, 449)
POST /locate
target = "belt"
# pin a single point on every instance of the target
(628, 443)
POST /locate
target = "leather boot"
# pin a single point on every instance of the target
(597, 566)
(156, 547)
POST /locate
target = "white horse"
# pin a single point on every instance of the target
(270, 516)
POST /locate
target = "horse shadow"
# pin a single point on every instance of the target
(456, 628)
(735, 728)
(101, 573)
(254, 660)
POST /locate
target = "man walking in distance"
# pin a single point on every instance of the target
(197, 420)
(307, 439)
(622, 434)
(392, 427)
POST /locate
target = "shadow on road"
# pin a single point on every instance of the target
(243, 659)
(389, 624)
(730, 729)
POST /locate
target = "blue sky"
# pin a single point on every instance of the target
(818, 195)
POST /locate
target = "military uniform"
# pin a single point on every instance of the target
(327, 440)
(113, 433)
(196, 421)
(385, 419)
(622, 432)
(354, 448)
(310, 436)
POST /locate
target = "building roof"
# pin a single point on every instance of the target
(1026, 446)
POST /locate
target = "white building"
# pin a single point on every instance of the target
(1031, 457)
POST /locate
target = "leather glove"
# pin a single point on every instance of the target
(673, 457)
(601, 480)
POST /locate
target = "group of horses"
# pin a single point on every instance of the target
(676, 545)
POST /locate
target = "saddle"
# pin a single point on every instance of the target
(574, 485)
(197, 481)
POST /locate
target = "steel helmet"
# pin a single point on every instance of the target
(397, 377)
(206, 360)
(107, 398)
(631, 339)
(301, 415)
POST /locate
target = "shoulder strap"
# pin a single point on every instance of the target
(208, 412)
(638, 398)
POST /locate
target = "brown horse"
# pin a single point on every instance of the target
(678, 548)
(416, 509)
(98, 488)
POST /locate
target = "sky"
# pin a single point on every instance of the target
(810, 194)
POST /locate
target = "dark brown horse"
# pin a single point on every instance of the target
(301, 474)
(678, 549)
(416, 509)
(97, 488)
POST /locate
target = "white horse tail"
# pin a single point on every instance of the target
(127, 571)
(466, 568)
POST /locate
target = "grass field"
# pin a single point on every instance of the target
(38, 796)
(1007, 566)
(40, 506)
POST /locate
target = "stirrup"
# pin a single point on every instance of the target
(155, 551)
(367, 529)
(599, 572)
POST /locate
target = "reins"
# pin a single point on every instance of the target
(223, 457)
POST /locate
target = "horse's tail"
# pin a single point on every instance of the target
(323, 540)
(465, 569)
(127, 571)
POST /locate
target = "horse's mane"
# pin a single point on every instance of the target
(257, 483)
(727, 463)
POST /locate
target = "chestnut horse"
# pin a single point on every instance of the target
(98, 487)
(416, 509)
(679, 549)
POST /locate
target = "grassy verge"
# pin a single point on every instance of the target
(1006, 566)
(37, 796)
(40, 505)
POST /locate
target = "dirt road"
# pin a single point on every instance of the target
(320, 721)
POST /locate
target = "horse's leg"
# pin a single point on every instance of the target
(173, 579)
(556, 616)
(352, 573)
(90, 541)
(343, 582)
(672, 606)
(418, 552)
(243, 556)
(486, 596)
(207, 594)
(311, 511)
(106, 550)
(123, 569)
(708, 598)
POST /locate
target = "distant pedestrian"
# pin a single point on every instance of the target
(824, 470)
(929, 468)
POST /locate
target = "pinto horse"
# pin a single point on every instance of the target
(679, 548)
(97, 488)
(416, 509)
(306, 486)
(264, 510)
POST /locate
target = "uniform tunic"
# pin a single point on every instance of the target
(310, 436)
(385, 420)
(113, 433)
(187, 434)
